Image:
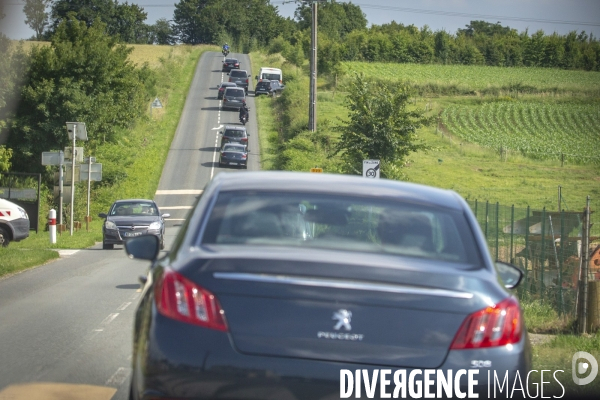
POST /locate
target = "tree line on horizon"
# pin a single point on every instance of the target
(343, 33)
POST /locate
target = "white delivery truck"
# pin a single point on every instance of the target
(269, 74)
(14, 223)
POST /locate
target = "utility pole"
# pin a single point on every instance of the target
(312, 106)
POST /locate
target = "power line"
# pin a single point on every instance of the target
(461, 14)
(416, 11)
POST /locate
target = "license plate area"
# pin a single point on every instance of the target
(132, 234)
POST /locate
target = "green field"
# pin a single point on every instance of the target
(535, 129)
(480, 79)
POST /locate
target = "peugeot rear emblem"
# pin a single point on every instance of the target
(343, 318)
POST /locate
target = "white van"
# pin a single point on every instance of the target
(269, 74)
(14, 223)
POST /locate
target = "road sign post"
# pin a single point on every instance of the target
(76, 130)
(371, 169)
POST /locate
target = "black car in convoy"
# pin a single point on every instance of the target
(273, 88)
(229, 64)
(234, 154)
(234, 134)
(131, 218)
(278, 281)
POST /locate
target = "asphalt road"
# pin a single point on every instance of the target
(66, 326)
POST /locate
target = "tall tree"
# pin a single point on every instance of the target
(84, 75)
(163, 32)
(381, 125)
(36, 15)
(122, 19)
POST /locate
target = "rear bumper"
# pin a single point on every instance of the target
(184, 361)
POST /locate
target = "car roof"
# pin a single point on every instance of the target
(235, 127)
(133, 201)
(228, 84)
(352, 185)
(234, 88)
(239, 70)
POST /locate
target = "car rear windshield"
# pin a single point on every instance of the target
(238, 74)
(341, 223)
(263, 84)
(231, 60)
(235, 133)
(237, 149)
(271, 77)
(235, 93)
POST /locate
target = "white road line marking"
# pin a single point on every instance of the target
(179, 191)
(67, 253)
(123, 306)
(118, 377)
(135, 296)
(109, 319)
(176, 208)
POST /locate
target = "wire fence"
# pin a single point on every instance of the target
(547, 245)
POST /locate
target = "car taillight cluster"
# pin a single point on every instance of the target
(244, 156)
(181, 299)
(246, 80)
(244, 139)
(493, 326)
(237, 65)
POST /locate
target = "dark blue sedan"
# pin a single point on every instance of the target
(281, 285)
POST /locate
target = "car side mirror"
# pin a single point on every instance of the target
(166, 215)
(102, 215)
(145, 247)
(511, 275)
(220, 133)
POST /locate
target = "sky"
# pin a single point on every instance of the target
(561, 16)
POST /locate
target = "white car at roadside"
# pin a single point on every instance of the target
(14, 223)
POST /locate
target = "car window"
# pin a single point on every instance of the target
(235, 93)
(238, 74)
(231, 60)
(341, 223)
(134, 208)
(271, 77)
(235, 133)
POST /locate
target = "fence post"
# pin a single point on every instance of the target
(526, 245)
(561, 260)
(512, 225)
(487, 214)
(497, 228)
(543, 253)
(585, 253)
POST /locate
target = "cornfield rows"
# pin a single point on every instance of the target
(538, 130)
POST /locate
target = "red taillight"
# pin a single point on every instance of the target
(229, 79)
(244, 139)
(237, 65)
(181, 299)
(246, 80)
(244, 156)
(493, 326)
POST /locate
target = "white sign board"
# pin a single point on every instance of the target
(156, 103)
(95, 175)
(79, 127)
(371, 169)
(68, 172)
(52, 158)
(67, 191)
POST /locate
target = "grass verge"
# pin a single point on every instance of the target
(14, 259)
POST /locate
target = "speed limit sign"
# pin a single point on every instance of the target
(371, 169)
